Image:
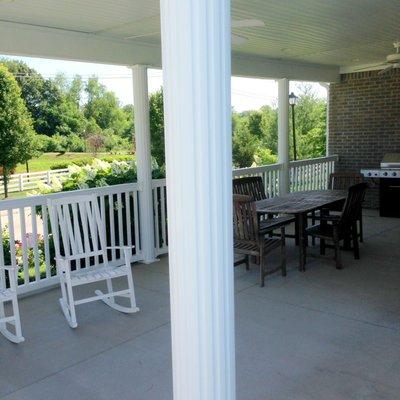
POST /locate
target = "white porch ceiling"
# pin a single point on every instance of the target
(300, 37)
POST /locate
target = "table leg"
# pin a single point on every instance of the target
(302, 218)
(296, 230)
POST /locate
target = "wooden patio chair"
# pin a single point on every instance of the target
(336, 228)
(342, 181)
(250, 238)
(8, 294)
(253, 186)
(81, 255)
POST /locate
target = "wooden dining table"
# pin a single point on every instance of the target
(300, 204)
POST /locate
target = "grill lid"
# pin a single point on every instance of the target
(391, 160)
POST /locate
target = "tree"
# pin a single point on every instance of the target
(48, 101)
(104, 108)
(15, 125)
(156, 105)
(244, 143)
(95, 143)
(30, 148)
(310, 123)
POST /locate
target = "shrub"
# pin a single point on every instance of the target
(31, 256)
(88, 160)
(97, 174)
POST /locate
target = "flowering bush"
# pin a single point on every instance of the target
(97, 174)
(29, 254)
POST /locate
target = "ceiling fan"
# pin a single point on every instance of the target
(236, 38)
(392, 61)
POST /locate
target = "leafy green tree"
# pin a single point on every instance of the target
(310, 114)
(46, 100)
(104, 108)
(30, 148)
(269, 127)
(244, 143)
(156, 105)
(15, 125)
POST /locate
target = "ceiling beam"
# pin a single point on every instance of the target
(32, 41)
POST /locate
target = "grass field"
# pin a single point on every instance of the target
(47, 160)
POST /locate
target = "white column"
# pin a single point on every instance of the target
(196, 65)
(143, 161)
(327, 87)
(283, 134)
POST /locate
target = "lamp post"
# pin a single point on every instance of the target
(293, 99)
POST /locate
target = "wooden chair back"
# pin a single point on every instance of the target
(352, 205)
(343, 180)
(245, 221)
(77, 227)
(252, 186)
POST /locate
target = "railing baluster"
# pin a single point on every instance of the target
(128, 218)
(35, 244)
(163, 218)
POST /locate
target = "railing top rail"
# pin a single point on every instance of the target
(158, 182)
(314, 160)
(42, 199)
(257, 170)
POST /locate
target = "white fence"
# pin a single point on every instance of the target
(30, 181)
(26, 234)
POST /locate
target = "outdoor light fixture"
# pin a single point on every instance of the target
(293, 99)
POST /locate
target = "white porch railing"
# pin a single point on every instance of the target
(26, 233)
(311, 174)
(30, 181)
(270, 175)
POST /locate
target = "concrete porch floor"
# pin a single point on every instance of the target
(323, 334)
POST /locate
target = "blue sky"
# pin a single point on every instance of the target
(247, 93)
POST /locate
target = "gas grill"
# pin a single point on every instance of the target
(389, 184)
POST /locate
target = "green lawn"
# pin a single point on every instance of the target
(47, 160)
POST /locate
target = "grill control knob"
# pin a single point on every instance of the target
(385, 174)
(394, 173)
(369, 174)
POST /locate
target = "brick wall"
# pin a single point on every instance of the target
(364, 121)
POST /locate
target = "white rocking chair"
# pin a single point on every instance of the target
(10, 295)
(79, 232)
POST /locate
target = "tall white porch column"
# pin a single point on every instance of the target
(143, 160)
(327, 87)
(283, 134)
(196, 65)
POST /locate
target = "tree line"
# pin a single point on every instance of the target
(255, 133)
(39, 114)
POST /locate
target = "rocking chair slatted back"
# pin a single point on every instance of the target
(78, 227)
(251, 186)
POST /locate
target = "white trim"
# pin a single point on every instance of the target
(32, 41)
